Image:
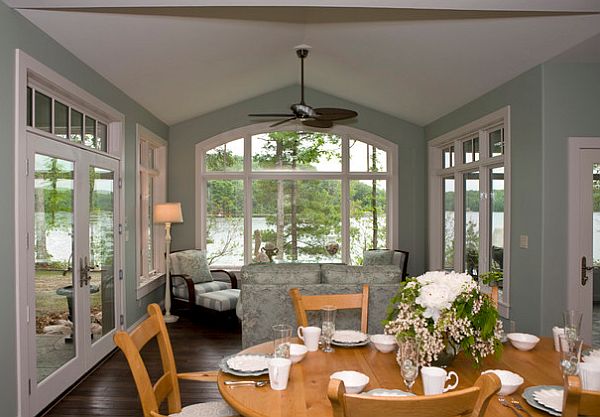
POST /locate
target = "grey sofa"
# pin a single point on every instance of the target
(265, 300)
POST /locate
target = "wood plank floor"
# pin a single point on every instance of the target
(198, 344)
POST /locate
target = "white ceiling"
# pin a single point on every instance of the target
(415, 64)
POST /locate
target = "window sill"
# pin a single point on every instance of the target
(150, 285)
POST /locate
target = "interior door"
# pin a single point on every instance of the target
(73, 264)
(584, 274)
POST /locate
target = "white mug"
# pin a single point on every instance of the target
(279, 373)
(310, 336)
(435, 378)
(589, 372)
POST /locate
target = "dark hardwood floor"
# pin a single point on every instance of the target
(199, 343)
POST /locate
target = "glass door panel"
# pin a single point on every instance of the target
(53, 229)
(595, 276)
(101, 240)
(471, 223)
(448, 255)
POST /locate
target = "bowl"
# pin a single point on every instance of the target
(510, 381)
(297, 352)
(523, 341)
(384, 342)
(354, 381)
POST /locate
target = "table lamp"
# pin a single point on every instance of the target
(168, 213)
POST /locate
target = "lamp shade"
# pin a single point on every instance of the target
(168, 213)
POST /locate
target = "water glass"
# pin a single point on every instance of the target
(408, 359)
(572, 322)
(282, 334)
(327, 326)
(570, 353)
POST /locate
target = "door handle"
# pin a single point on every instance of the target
(84, 269)
(584, 270)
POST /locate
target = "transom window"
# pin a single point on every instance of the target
(294, 196)
(469, 215)
(55, 116)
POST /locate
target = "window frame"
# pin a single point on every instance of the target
(480, 128)
(247, 175)
(146, 283)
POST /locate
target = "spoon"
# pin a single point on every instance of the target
(244, 383)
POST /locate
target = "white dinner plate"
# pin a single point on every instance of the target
(349, 337)
(248, 363)
(550, 397)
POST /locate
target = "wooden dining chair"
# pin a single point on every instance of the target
(578, 402)
(470, 402)
(167, 385)
(304, 303)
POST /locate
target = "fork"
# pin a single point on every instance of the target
(505, 403)
(519, 407)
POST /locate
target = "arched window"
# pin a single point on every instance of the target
(294, 195)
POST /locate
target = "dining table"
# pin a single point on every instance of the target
(306, 393)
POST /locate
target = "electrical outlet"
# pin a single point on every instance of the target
(523, 241)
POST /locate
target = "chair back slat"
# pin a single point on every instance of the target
(304, 303)
(167, 385)
(470, 402)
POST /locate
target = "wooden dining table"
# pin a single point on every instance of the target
(306, 394)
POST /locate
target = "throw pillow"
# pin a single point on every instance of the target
(191, 263)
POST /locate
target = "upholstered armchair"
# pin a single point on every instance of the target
(196, 285)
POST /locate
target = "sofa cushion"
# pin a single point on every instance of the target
(378, 257)
(353, 274)
(298, 274)
(223, 300)
(181, 291)
(192, 263)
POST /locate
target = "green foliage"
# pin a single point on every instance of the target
(472, 200)
(492, 277)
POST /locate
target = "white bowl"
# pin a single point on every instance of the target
(384, 342)
(297, 352)
(523, 341)
(510, 381)
(354, 381)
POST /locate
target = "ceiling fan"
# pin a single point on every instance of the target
(315, 117)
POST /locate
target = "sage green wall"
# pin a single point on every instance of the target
(571, 103)
(524, 95)
(411, 160)
(17, 32)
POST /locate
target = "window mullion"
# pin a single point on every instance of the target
(484, 219)
(459, 222)
(345, 203)
(248, 199)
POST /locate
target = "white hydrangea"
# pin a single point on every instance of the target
(439, 290)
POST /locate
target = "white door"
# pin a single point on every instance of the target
(584, 234)
(73, 264)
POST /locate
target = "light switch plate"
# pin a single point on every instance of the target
(523, 241)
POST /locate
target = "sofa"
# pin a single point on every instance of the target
(265, 296)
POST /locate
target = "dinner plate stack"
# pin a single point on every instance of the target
(245, 365)
(349, 338)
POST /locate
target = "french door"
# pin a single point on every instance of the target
(584, 234)
(73, 263)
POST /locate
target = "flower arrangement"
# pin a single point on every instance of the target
(441, 308)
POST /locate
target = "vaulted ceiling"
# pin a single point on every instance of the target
(194, 57)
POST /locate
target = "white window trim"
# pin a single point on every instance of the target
(160, 196)
(436, 175)
(246, 132)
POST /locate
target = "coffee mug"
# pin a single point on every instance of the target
(589, 372)
(310, 336)
(435, 378)
(279, 373)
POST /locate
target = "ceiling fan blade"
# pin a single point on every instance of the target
(283, 121)
(331, 113)
(318, 123)
(272, 115)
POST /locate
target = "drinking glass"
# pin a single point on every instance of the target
(408, 359)
(572, 321)
(570, 353)
(327, 326)
(282, 334)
